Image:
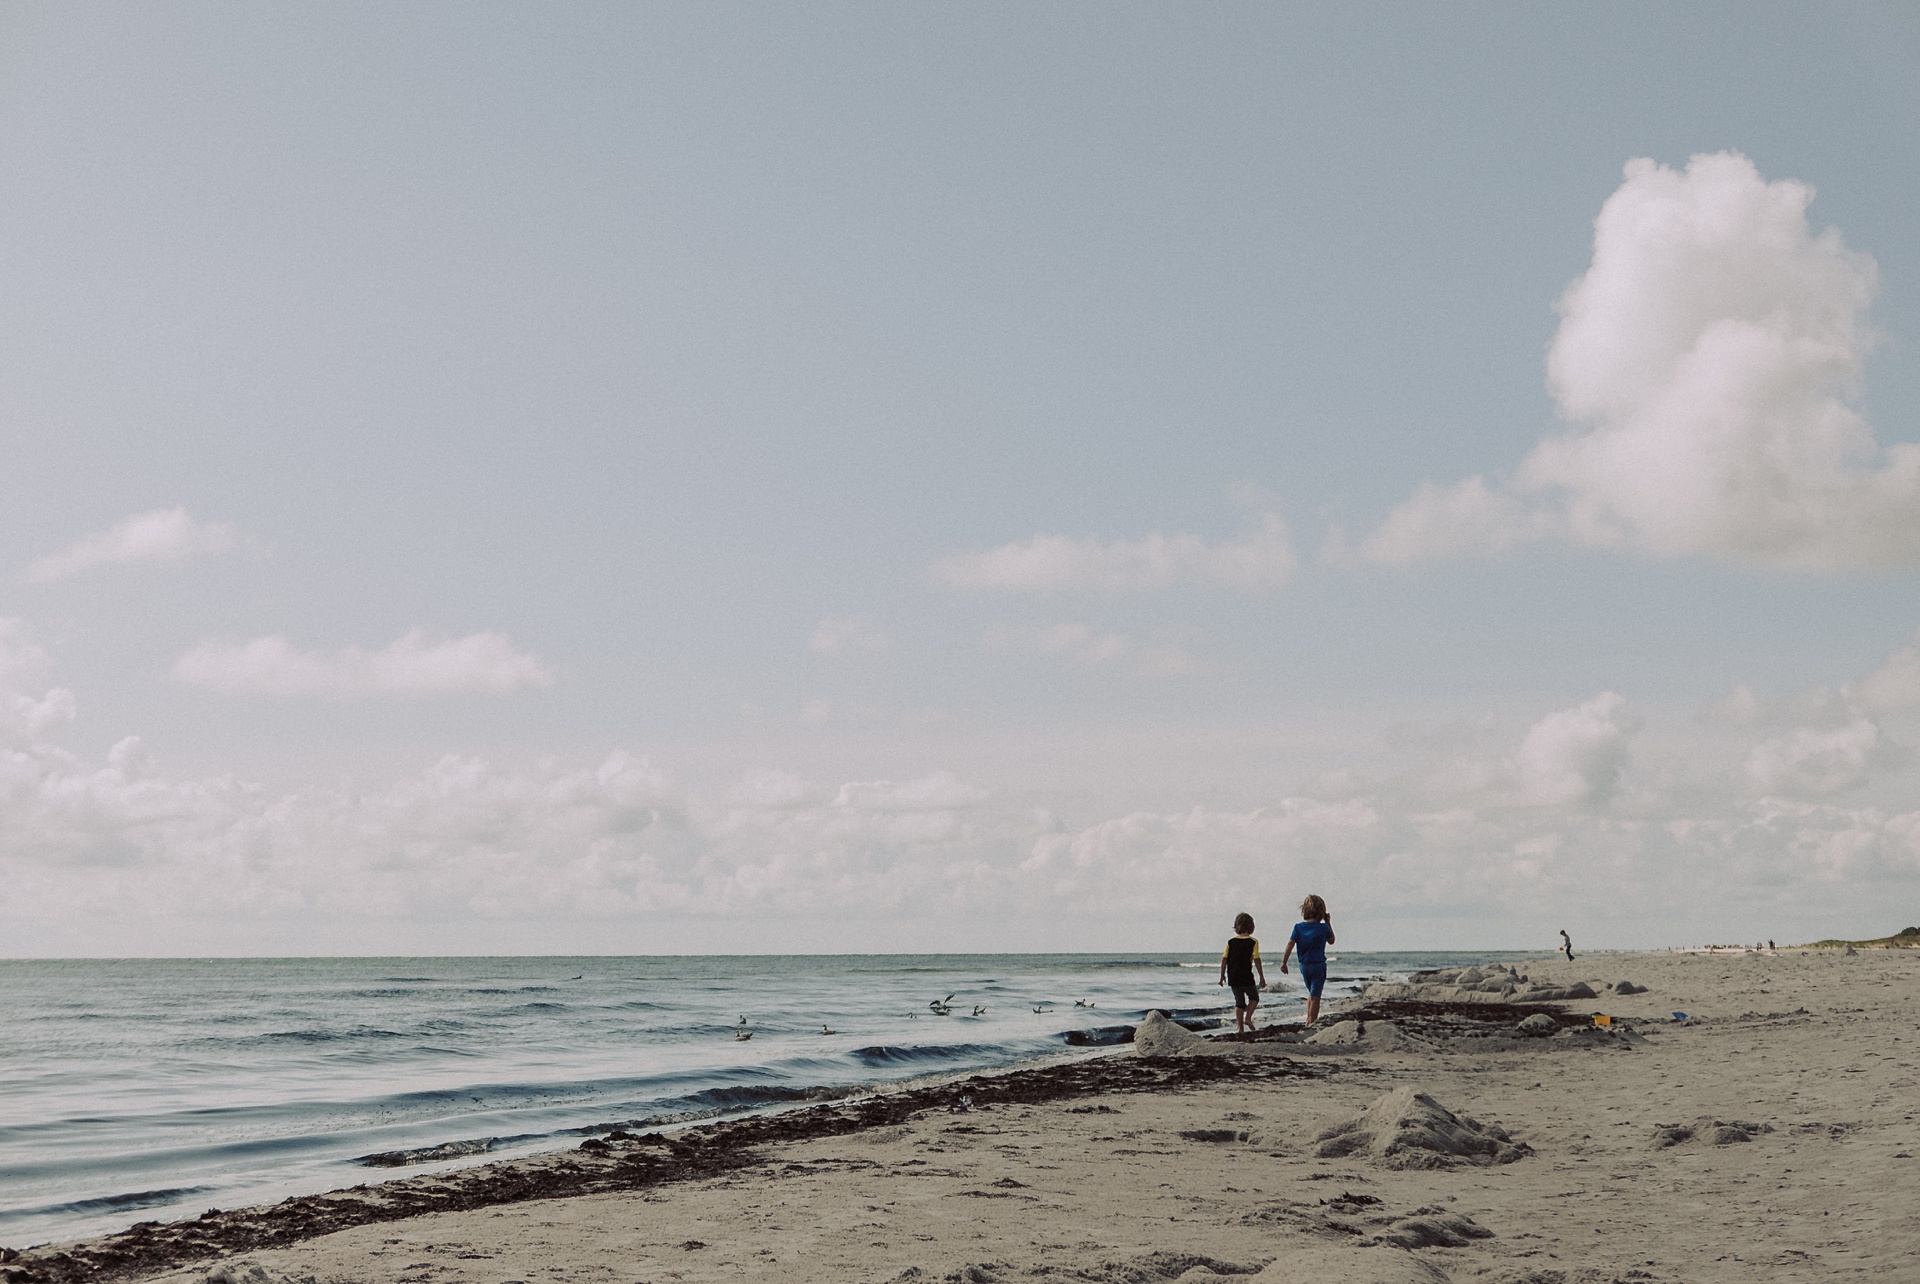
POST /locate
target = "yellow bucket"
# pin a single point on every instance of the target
(1601, 1018)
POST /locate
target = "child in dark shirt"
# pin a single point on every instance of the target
(1239, 963)
(1313, 936)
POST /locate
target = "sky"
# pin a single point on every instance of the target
(718, 478)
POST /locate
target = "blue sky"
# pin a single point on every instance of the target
(630, 477)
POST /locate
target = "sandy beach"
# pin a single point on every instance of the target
(1771, 1136)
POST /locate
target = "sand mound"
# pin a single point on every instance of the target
(1367, 1036)
(1150, 1268)
(245, 1272)
(1320, 1263)
(1158, 1037)
(1385, 1036)
(1628, 987)
(239, 1273)
(1431, 1228)
(1490, 984)
(1342, 1032)
(1409, 1129)
(1714, 1132)
(1539, 1026)
(1154, 1267)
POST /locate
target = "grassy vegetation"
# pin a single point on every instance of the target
(1907, 938)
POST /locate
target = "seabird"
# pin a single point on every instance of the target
(828, 1030)
(979, 1010)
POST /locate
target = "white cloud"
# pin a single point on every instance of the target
(1811, 760)
(163, 535)
(852, 635)
(1576, 755)
(1466, 519)
(773, 790)
(1259, 561)
(1169, 656)
(1708, 356)
(941, 791)
(1740, 707)
(407, 666)
(1151, 863)
(1493, 824)
(27, 714)
(1894, 685)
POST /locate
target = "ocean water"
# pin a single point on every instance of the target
(155, 1089)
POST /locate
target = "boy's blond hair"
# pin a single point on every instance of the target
(1313, 909)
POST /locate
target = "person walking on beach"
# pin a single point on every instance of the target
(1312, 935)
(1566, 943)
(1239, 963)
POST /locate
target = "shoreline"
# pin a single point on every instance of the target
(154, 1241)
(308, 1070)
(1771, 1135)
(611, 1162)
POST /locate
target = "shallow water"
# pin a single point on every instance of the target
(154, 1089)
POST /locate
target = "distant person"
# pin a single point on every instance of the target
(1313, 935)
(1770, 945)
(1566, 943)
(1239, 965)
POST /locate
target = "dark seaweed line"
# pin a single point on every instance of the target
(597, 1166)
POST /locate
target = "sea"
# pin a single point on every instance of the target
(134, 1090)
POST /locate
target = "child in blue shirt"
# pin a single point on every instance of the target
(1313, 937)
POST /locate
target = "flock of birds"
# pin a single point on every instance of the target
(939, 1007)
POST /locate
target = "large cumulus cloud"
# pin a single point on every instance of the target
(1707, 361)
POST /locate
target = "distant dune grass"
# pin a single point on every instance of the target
(1907, 938)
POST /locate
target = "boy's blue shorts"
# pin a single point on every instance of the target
(1315, 975)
